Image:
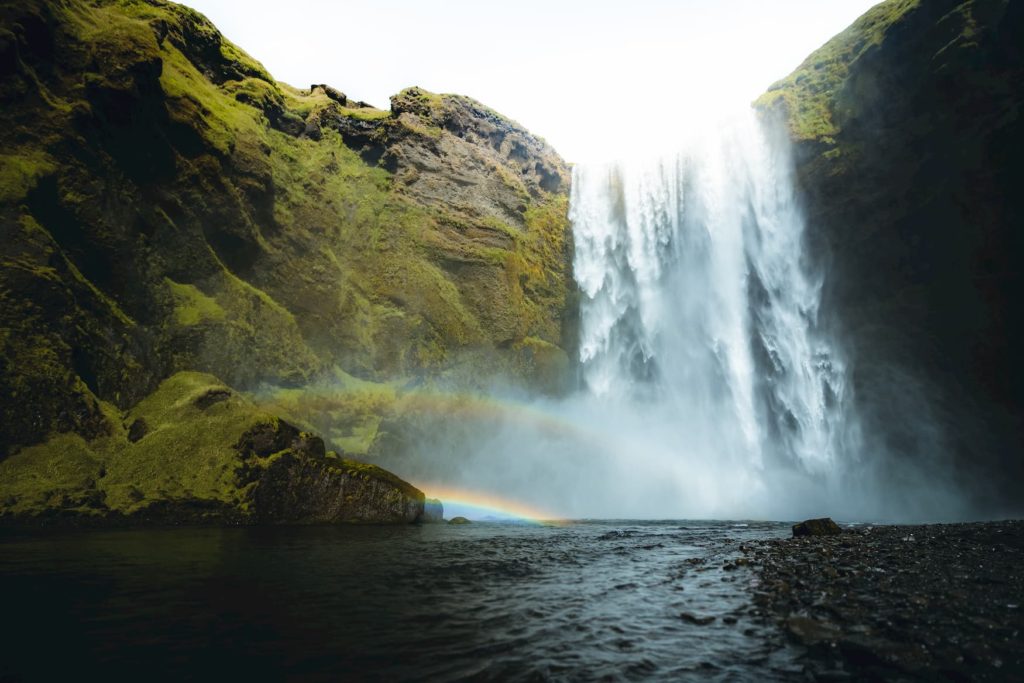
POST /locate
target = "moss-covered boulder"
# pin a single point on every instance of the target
(196, 451)
(166, 206)
(908, 140)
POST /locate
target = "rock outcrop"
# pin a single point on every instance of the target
(207, 455)
(908, 136)
(433, 511)
(166, 205)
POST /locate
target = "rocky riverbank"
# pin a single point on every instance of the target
(935, 602)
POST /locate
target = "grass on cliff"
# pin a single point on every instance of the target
(117, 274)
(808, 94)
(186, 452)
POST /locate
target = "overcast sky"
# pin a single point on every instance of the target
(595, 78)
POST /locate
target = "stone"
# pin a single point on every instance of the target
(433, 511)
(823, 526)
(138, 429)
(459, 520)
(696, 619)
(811, 631)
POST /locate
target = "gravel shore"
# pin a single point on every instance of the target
(934, 602)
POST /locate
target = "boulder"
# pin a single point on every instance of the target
(823, 526)
(332, 93)
(196, 451)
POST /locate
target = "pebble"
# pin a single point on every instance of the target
(899, 602)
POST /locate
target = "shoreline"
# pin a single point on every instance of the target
(899, 602)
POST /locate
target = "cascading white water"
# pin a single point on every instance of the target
(698, 306)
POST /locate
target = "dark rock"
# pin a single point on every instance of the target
(823, 526)
(266, 439)
(908, 135)
(433, 511)
(332, 93)
(459, 520)
(210, 397)
(296, 489)
(137, 430)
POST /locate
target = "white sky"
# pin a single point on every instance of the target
(595, 78)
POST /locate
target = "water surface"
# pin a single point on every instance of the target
(582, 601)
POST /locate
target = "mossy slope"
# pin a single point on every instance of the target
(197, 451)
(165, 205)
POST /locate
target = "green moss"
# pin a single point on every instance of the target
(365, 113)
(188, 451)
(19, 173)
(543, 363)
(198, 235)
(808, 94)
(191, 306)
(57, 475)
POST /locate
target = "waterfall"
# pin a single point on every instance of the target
(699, 307)
(710, 385)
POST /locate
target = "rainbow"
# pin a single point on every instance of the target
(488, 503)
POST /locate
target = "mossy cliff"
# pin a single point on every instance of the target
(908, 143)
(167, 206)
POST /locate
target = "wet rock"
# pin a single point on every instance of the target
(823, 526)
(303, 488)
(459, 520)
(695, 619)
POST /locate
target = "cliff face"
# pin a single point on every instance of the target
(166, 206)
(908, 137)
